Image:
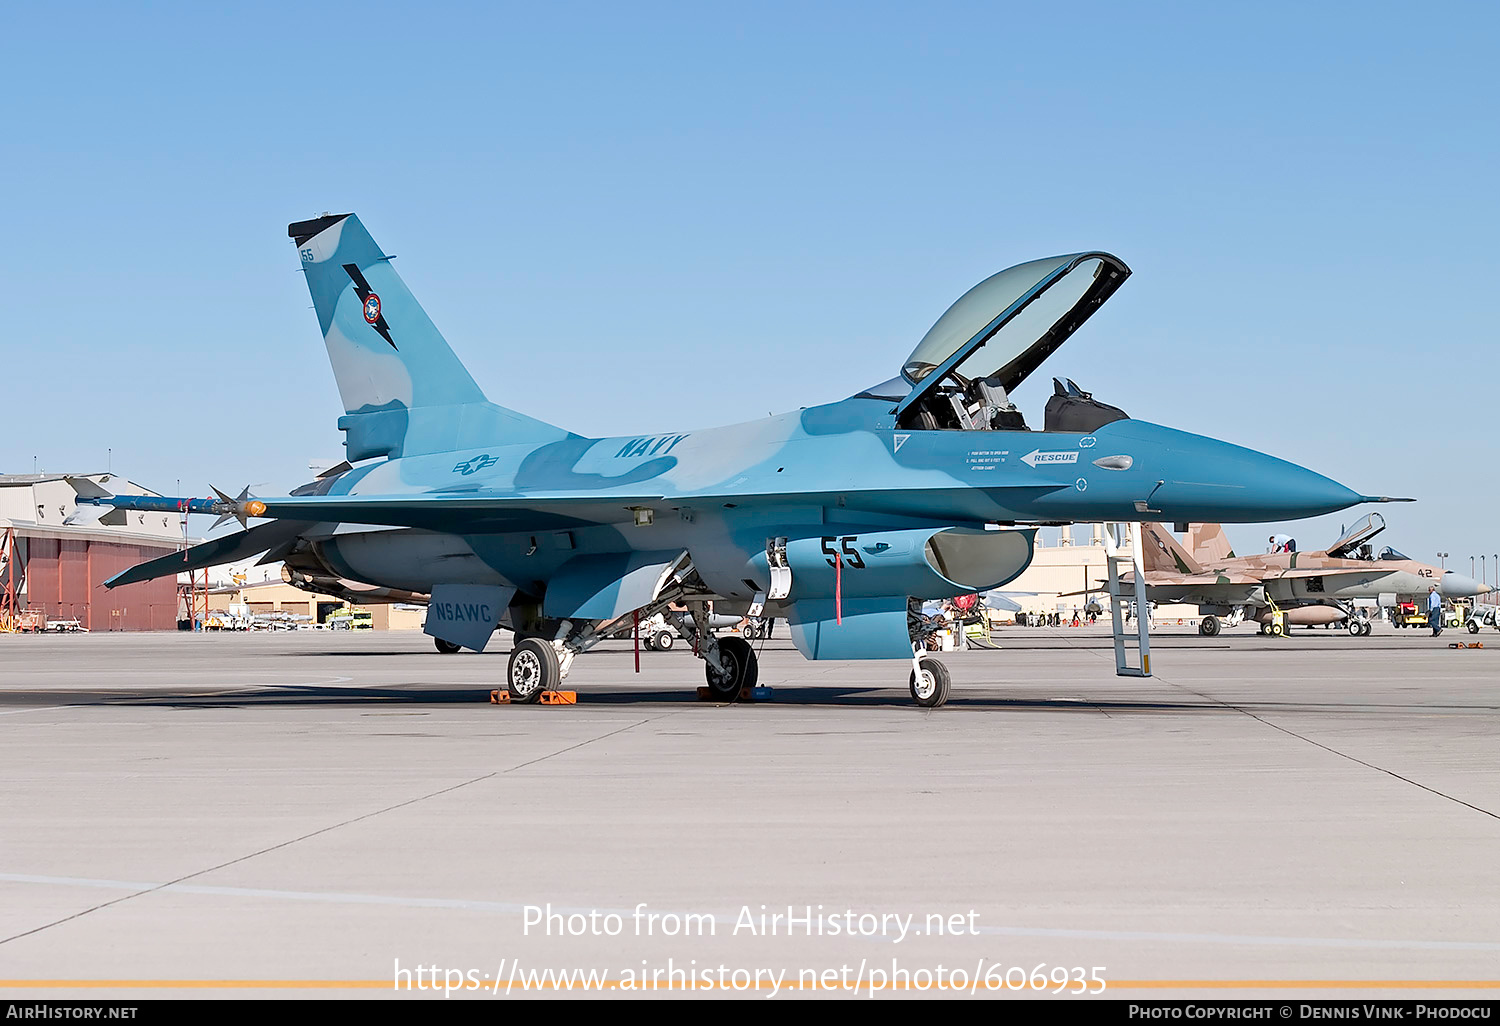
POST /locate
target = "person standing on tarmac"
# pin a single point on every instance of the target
(1434, 610)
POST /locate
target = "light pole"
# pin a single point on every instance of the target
(1471, 566)
(1444, 557)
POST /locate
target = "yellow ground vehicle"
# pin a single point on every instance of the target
(351, 619)
(1411, 614)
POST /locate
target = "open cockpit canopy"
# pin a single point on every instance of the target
(1000, 331)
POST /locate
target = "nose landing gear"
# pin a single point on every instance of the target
(930, 682)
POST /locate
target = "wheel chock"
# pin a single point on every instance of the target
(1462, 644)
(746, 695)
(502, 697)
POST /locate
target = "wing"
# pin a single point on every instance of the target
(460, 512)
(469, 512)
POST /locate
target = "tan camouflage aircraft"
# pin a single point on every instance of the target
(1309, 587)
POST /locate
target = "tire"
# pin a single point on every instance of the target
(662, 641)
(749, 633)
(1473, 627)
(1356, 629)
(1278, 631)
(744, 670)
(445, 647)
(932, 689)
(533, 668)
(751, 663)
(1209, 626)
(1265, 628)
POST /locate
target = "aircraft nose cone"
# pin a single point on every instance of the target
(1204, 479)
(1453, 585)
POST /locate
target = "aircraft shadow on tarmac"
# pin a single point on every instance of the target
(804, 696)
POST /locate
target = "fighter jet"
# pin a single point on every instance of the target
(1310, 588)
(838, 518)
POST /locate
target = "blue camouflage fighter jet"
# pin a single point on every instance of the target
(840, 518)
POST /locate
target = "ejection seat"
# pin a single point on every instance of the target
(1072, 409)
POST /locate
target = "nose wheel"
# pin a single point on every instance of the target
(1209, 626)
(930, 683)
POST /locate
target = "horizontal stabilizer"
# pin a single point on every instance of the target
(229, 549)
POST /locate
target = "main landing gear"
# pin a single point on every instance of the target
(1209, 626)
(729, 664)
(534, 667)
(735, 670)
(445, 647)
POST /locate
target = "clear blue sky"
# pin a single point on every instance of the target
(636, 217)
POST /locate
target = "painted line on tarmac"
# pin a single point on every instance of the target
(477, 905)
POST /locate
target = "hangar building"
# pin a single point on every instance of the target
(55, 555)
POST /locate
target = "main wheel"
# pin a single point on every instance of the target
(445, 647)
(929, 689)
(533, 668)
(1209, 626)
(747, 656)
(743, 670)
(663, 640)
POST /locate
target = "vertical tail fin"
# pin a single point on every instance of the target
(405, 392)
(1208, 543)
(1161, 552)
